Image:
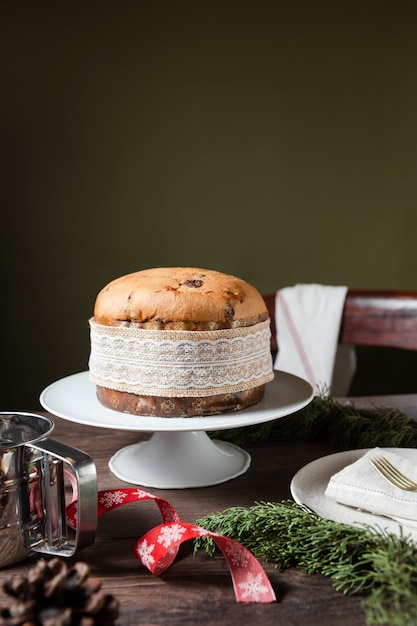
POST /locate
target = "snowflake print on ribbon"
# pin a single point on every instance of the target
(141, 494)
(144, 552)
(111, 498)
(168, 512)
(253, 587)
(170, 534)
(237, 554)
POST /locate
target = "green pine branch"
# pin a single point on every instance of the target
(359, 560)
(324, 419)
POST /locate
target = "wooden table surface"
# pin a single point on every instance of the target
(197, 589)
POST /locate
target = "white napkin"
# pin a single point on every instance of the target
(308, 318)
(359, 485)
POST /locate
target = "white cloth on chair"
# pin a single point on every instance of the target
(308, 318)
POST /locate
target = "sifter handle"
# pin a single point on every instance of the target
(54, 537)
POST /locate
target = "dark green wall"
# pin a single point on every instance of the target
(272, 140)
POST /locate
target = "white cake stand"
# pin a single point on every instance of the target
(179, 454)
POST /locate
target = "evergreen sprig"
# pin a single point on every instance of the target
(364, 560)
(325, 419)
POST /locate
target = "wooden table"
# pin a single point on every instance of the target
(197, 589)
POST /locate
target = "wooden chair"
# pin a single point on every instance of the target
(372, 318)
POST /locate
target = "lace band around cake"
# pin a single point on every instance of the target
(180, 363)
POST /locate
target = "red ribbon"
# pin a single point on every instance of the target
(158, 548)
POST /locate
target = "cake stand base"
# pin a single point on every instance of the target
(178, 460)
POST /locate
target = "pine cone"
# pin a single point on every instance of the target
(54, 595)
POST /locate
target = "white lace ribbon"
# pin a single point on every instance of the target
(178, 363)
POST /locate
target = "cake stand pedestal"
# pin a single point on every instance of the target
(176, 460)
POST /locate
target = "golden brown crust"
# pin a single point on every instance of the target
(179, 298)
(163, 406)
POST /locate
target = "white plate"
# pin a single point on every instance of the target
(74, 398)
(179, 454)
(309, 484)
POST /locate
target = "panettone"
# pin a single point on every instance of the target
(179, 342)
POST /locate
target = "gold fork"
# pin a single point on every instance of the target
(392, 475)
